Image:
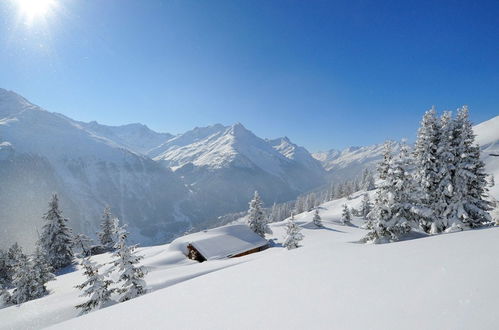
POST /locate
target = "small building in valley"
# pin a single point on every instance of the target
(220, 243)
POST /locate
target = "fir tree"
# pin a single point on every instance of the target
(14, 254)
(256, 218)
(126, 261)
(467, 207)
(41, 270)
(317, 219)
(387, 158)
(107, 234)
(96, 286)
(395, 210)
(56, 237)
(27, 286)
(4, 270)
(293, 235)
(346, 216)
(428, 165)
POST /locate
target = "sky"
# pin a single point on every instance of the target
(327, 74)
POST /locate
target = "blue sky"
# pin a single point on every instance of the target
(327, 74)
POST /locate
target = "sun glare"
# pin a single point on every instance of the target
(32, 10)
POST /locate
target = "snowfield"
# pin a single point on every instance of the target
(439, 282)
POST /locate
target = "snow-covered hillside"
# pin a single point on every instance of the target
(135, 137)
(488, 139)
(44, 153)
(331, 282)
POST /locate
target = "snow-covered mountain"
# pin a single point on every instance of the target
(223, 165)
(217, 169)
(43, 152)
(135, 137)
(350, 162)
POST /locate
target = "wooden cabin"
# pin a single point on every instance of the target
(223, 242)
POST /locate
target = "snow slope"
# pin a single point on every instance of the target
(488, 139)
(135, 137)
(331, 282)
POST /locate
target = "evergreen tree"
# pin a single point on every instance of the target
(428, 165)
(96, 286)
(27, 286)
(387, 158)
(4, 270)
(467, 207)
(317, 219)
(42, 271)
(131, 276)
(395, 210)
(256, 218)
(56, 237)
(293, 235)
(346, 216)
(365, 206)
(107, 234)
(14, 254)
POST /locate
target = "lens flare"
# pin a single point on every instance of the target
(32, 10)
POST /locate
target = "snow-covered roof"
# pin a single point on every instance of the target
(220, 242)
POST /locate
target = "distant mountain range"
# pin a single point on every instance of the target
(159, 184)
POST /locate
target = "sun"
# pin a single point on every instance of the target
(32, 10)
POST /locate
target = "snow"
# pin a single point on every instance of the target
(220, 242)
(331, 282)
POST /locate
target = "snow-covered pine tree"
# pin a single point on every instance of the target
(256, 218)
(96, 286)
(83, 243)
(293, 235)
(365, 206)
(126, 261)
(27, 286)
(14, 254)
(492, 181)
(107, 235)
(395, 210)
(56, 238)
(442, 189)
(428, 167)
(41, 270)
(317, 219)
(467, 207)
(4, 270)
(346, 216)
(387, 158)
